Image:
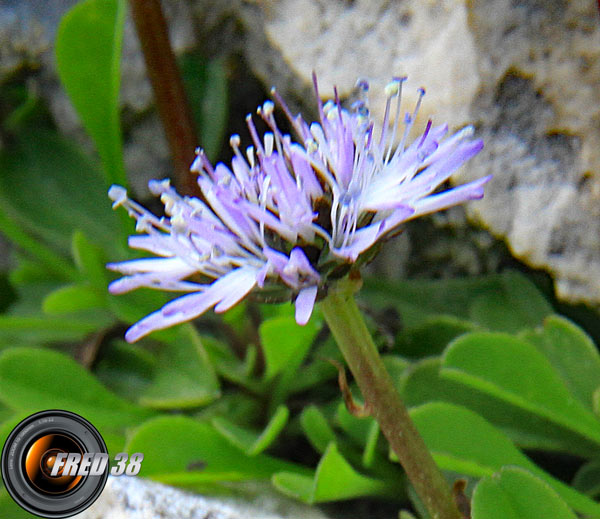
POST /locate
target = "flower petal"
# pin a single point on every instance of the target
(245, 280)
(188, 307)
(168, 265)
(458, 195)
(231, 287)
(305, 303)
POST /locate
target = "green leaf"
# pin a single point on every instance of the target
(206, 86)
(587, 479)
(513, 370)
(514, 305)
(504, 302)
(422, 383)
(25, 388)
(126, 369)
(73, 298)
(5, 412)
(39, 329)
(334, 480)
(28, 271)
(356, 428)
(431, 336)
(250, 442)
(236, 405)
(7, 294)
(317, 368)
(186, 377)
(395, 365)
(514, 493)
(49, 187)
(52, 263)
(88, 54)
(371, 445)
(572, 354)
(90, 260)
(284, 342)
(463, 442)
(186, 452)
(230, 367)
(134, 306)
(8, 508)
(316, 428)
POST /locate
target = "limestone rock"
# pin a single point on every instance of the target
(342, 41)
(525, 72)
(539, 111)
(27, 29)
(136, 498)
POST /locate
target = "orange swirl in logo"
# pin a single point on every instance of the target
(40, 459)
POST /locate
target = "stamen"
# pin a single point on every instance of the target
(118, 194)
(398, 82)
(408, 122)
(263, 205)
(158, 187)
(269, 139)
(425, 133)
(338, 103)
(294, 120)
(363, 85)
(269, 118)
(267, 108)
(254, 134)
(201, 163)
(250, 156)
(319, 102)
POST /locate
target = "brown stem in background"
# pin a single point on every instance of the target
(169, 93)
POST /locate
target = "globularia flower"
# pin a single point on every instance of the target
(290, 214)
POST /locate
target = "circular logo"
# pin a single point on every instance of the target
(54, 464)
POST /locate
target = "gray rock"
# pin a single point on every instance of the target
(526, 72)
(539, 110)
(136, 498)
(27, 29)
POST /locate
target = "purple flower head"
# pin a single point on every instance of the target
(290, 215)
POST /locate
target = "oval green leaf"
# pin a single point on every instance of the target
(334, 480)
(513, 370)
(88, 55)
(461, 441)
(514, 493)
(572, 353)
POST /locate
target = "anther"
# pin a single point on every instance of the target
(268, 107)
(118, 194)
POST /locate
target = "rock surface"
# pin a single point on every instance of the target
(525, 72)
(136, 498)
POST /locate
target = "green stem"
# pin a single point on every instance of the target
(383, 401)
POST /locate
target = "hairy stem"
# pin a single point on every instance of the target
(383, 401)
(169, 93)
